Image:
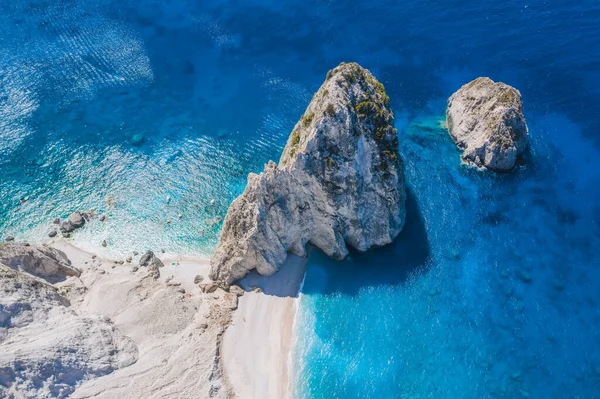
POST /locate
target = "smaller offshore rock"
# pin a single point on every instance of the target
(485, 119)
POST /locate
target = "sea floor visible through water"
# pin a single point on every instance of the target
(491, 290)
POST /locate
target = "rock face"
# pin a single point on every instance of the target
(150, 260)
(48, 263)
(46, 348)
(339, 183)
(485, 119)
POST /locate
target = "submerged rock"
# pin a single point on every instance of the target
(485, 119)
(339, 183)
(137, 139)
(150, 260)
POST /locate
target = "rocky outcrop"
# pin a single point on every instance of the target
(47, 263)
(339, 183)
(150, 260)
(485, 119)
(46, 348)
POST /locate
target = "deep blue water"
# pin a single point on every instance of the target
(492, 290)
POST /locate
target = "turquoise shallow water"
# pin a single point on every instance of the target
(491, 290)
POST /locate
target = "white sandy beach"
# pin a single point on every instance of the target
(257, 344)
(180, 335)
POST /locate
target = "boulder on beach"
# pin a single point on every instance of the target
(76, 219)
(485, 119)
(339, 184)
(150, 260)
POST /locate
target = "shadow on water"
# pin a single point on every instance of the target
(389, 265)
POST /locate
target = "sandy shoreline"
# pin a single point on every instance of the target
(253, 353)
(257, 344)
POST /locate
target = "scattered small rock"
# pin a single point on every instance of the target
(257, 289)
(104, 243)
(129, 259)
(66, 227)
(134, 269)
(135, 253)
(56, 221)
(168, 199)
(101, 271)
(198, 279)
(181, 290)
(9, 238)
(113, 266)
(52, 233)
(121, 262)
(208, 288)
(236, 290)
(150, 260)
(102, 217)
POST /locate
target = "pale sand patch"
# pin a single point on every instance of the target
(178, 335)
(257, 344)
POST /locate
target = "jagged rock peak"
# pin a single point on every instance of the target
(485, 119)
(339, 183)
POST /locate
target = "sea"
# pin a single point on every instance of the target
(153, 112)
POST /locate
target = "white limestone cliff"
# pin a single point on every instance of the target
(339, 183)
(485, 119)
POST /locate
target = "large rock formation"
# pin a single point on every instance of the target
(486, 121)
(48, 263)
(339, 183)
(46, 348)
